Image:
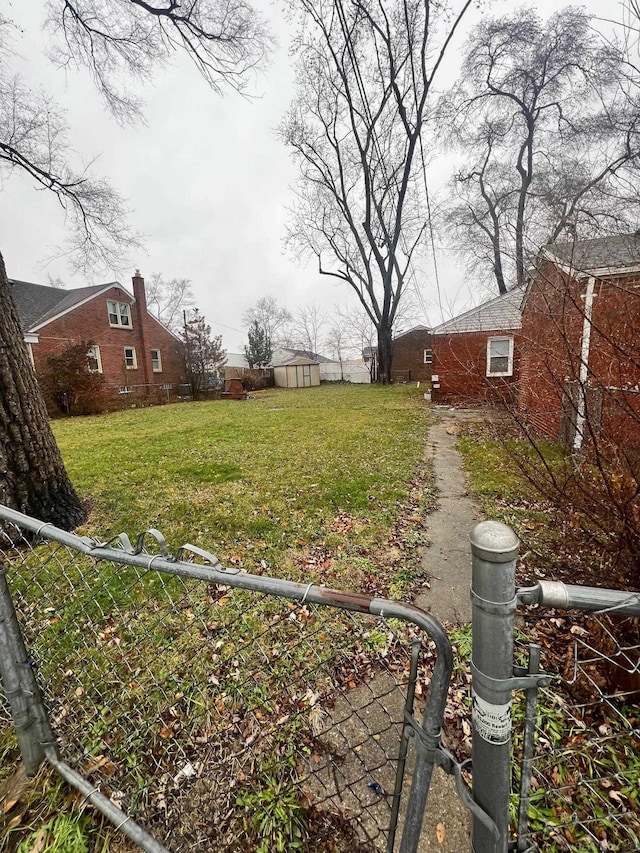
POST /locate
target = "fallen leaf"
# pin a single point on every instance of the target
(9, 804)
(441, 833)
(41, 841)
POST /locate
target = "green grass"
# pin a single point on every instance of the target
(259, 479)
(306, 485)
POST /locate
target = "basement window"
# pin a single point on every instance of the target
(500, 357)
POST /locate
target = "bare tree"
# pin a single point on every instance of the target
(167, 299)
(307, 326)
(364, 74)
(116, 40)
(272, 317)
(120, 40)
(547, 116)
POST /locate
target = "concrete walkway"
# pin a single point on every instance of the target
(447, 565)
(446, 562)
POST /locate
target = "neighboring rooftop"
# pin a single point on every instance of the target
(236, 359)
(285, 355)
(501, 313)
(404, 332)
(298, 360)
(601, 253)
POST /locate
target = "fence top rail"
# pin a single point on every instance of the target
(216, 573)
(573, 597)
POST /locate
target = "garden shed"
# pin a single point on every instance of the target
(297, 373)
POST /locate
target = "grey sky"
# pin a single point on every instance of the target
(206, 181)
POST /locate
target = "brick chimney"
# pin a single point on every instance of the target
(139, 291)
(140, 295)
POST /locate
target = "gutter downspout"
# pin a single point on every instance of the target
(581, 402)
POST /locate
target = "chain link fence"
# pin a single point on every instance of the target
(585, 769)
(574, 729)
(237, 712)
(218, 709)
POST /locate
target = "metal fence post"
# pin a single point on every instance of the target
(24, 720)
(494, 548)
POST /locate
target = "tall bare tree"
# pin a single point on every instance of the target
(547, 116)
(168, 298)
(116, 40)
(272, 317)
(365, 71)
(307, 325)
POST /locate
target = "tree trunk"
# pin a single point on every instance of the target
(385, 354)
(32, 476)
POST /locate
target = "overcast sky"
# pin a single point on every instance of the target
(206, 181)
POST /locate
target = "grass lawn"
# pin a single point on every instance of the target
(254, 482)
(326, 485)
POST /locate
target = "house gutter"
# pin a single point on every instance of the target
(581, 403)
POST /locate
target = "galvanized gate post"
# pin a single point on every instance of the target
(494, 548)
(20, 697)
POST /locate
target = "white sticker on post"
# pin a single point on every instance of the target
(492, 722)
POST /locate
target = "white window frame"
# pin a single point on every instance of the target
(120, 310)
(94, 352)
(157, 360)
(428, 356)
(509, 370)
(134, 359)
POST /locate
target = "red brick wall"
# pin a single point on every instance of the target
(460, 363)
(408, 357)
(552, 327)
(91, 322)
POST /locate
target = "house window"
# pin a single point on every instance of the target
(93, 357)
(124, 389)
(119, 314)
(130, 361)
(156, 361)
(428, 356)
(499, 356)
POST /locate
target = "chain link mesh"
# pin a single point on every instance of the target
(585, 795)
(217, 717)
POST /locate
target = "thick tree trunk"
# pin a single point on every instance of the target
(32, 476)
(385, 354)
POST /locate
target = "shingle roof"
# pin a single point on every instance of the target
(299, 360)
(34, 300)
(74, 297)
(496, 315)
(296, 353)
(600, 253)
(37, 303)
(412, 329)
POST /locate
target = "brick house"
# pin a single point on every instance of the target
(580, 369)
(134, 351)
(476, 356)
(411, 356)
